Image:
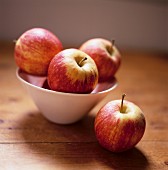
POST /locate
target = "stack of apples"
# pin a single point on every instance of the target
(39, 52)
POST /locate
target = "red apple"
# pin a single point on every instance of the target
(72, 71)
(106, 56)
(34, 50)
(119, 125)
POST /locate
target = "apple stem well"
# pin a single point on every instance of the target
(122, 110)
(81, 61)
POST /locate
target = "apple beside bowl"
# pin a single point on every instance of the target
(60, 107)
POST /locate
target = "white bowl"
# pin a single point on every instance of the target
(62, 108)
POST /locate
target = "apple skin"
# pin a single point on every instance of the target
(67, 74)
(34, 50)
(116, 131)
(105, 55)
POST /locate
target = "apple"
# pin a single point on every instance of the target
(34, 50)
(119, 125)
(72, 71)
(106, 56)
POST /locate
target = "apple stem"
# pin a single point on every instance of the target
(14, 41)
(83, 59)
(111, 47)
(112, 42)
(121, 108)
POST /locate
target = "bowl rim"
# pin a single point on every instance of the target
(64, 93)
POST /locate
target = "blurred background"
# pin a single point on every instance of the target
(134, 24)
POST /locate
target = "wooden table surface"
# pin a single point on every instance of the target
(29, 141)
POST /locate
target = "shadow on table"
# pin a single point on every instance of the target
(74, 145)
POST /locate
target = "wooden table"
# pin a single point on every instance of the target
(29, 141)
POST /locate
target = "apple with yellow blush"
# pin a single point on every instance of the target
(119, 125)
(72, 71)
(34, 50)
(106, 56)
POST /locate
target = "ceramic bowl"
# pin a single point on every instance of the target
(59, 107)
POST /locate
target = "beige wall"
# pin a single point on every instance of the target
(133, 23)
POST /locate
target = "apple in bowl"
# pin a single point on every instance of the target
(72, 71)
(106, 56)
(34, 50)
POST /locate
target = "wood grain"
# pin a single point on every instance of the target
(29, 141)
